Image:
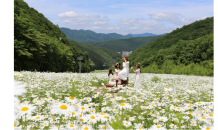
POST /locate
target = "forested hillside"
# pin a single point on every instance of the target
(99, 55)
(89, 37)
(126, 44)
(188, 50)
(37, 45)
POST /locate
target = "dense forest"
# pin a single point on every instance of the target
(37, 43)
(127, 44)
(99, 55)
(89, 37)
(188, 50)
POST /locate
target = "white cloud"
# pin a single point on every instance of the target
(117, 6)
(174, 18)
(100, 22)
(134, 21)
(68, 14)
(167, 16)
(95, 27)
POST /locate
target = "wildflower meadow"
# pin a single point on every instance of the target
(73, 101)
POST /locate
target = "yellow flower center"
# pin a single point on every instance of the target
(86, 128)
(71, 97)
(207, 128)
(45, 123)
(63, 107)
(127, 123)
(81, 120)
(24, 109)
(18, 75)
(191, 90)
(73, 113)
(122, 104)
(199, 103)
(15, 125)
(210, 114)
(158, 126)
(71, 125)
(102, 113)
(103, 127)
(37, 117)
(162, 119)
(105, 116)
(92, 117)
(203, 118)
(168, 87)
(42, 125)
(83, 108)
(190, 112)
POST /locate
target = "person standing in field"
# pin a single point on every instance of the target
(137, 76)
(123, 74)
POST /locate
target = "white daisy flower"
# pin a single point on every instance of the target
(62, 108)
(168, 89)
(72, 126)
(127, 123)
(164, 119)
(87, 127)
(23, 109)
(124, 106)
(37, 118)
(207, 127)
(157, 127)
(191, 91)
(71, 99)
(173, 126)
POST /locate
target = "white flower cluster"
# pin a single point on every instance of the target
(79, 101)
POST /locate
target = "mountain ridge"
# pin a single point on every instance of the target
(90, 36)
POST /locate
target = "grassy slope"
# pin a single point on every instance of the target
(187, 32)
(126, 44)
(99, 55)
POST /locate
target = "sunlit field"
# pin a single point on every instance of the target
(79, 101)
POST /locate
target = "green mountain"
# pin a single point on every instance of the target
(127, 44)
(99, 55)
(89, 37)
(142, 35)
(37, 45)
(188, 50)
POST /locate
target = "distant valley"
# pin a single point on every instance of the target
(90, 37)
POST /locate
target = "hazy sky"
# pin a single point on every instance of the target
(124, 16)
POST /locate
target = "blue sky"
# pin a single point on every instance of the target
(124, 16)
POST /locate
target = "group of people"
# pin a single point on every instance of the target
(124, 73)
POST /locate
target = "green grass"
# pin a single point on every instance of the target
(100, 71)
